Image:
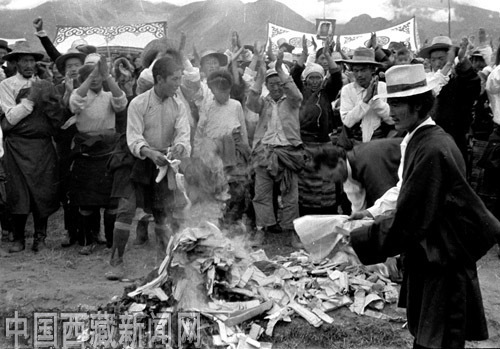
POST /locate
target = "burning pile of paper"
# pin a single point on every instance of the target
(237, 290)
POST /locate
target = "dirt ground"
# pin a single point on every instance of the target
(59, 279)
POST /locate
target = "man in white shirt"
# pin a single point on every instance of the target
(157, 128)
(491, 156)
(358, 108)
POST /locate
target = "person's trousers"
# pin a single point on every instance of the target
(165, 226)
(263, 200)
(19, 225)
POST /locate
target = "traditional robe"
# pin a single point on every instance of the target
(443, 228)
(30, 158)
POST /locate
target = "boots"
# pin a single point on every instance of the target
(163, 234)
(38, 243)
(18, 225)
(71, 217)
(120, 238)
(88, 234)
(109, 225)
(40, 234)
(141, 233)
(295, 240)
(17, 246)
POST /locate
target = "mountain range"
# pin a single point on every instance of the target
(208, 24)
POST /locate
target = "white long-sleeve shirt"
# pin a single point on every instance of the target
(157, 124)
(493, 90)
(9, 89)
(371, 114)
(96, 111)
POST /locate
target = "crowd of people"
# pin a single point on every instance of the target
(383, 133)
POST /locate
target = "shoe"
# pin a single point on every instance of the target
(38, 245)
(5, 236)
(18, 246)
(258, 238)
(87, 250)
(117, 271)
(273, 229)
(141, 233)
(100, 240)
(295, 240)
(68, 242)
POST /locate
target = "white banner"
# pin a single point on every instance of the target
(130, 35)
(405, 32)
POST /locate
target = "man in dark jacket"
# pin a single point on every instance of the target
(453, 105)
(367, 171)
(32, 116)
(440, 224)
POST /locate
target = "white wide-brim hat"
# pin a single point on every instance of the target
(406, 80)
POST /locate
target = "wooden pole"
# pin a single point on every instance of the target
(449, 19)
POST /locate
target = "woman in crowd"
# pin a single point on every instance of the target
(316, 195)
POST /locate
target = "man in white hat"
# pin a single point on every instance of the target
(460, 88)
(440, 224)
(360, 112)
(32, 116)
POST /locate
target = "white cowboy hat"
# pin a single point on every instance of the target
(406, 80)
(438, 43)
(362, 55)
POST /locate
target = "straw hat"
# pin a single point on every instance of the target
(72, 53)
(271, 72)
(5, 45)
(222, 58)
(283, 42)
(438, 43)
(406, 80)
(362, 55)
(22, 48)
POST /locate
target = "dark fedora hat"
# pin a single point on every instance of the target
(72, 53)
(283, 42)
(5, 45)
(438, 43)
(22, 48)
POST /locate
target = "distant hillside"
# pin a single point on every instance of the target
(468, 20)
(208, 24)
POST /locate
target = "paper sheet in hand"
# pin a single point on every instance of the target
(320, 233)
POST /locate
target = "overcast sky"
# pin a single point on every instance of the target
(341, 10)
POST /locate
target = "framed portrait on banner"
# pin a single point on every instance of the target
(325, 28)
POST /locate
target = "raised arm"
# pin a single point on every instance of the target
(47, 44)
